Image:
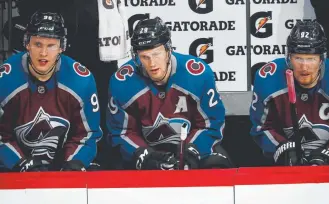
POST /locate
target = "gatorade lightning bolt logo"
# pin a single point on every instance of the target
(262, 22)
(203, 49)
(108, 4)
(199, 4)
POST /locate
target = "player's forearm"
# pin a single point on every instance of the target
(129, 144)
(204, 140)
(10, 154)
(82, 151)
(267, 136)
(269, 140)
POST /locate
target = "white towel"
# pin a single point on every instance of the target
(114, 40)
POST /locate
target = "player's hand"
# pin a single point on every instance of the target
(147, 158)
(319, 157)
(286, 155)
(31, 165)
(192, 156)
(73, 165)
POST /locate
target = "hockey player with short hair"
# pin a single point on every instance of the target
(49, 112)
(271, 112)
(157, 94)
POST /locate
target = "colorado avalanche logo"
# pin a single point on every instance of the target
(195, 68)
(5, 69)
(269, 68)
(43, 135)
(80, 69)
(123, 72)
(312, 135)
(164, 130)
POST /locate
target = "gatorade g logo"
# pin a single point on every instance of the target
(260, 24)
(202, 48)
(201, 6)
(108, 4)
(133, 20)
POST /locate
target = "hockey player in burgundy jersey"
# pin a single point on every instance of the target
(154, 94)
(270, 111)
(49, 111)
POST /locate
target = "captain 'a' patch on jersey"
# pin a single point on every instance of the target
(164, 130)
(43, 134)
(181, 106)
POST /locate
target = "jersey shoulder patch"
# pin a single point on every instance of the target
(73, 68)
(192, 73)
(194, 67)
(267, 69)
(127, 83)
(80, 69)
(124, 72)
(12, 76)
(5, 69)
(74, 76)
(270, 78)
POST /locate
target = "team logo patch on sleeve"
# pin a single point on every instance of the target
(80, 69)
(126, 70)
(5, 69)
(269, 68)
(195, 68)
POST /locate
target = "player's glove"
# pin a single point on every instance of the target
(73, 165)
(94, 166)
(192, 156)
(30, 165)
(286, 155)
(318, 157)
(147, 158)
(216, 160)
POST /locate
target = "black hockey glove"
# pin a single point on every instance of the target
(73, 165)
(191, 156)
(319, 157)
(94, 166)
(216, 160)
(286, 155)
(147, 158)
(31, 165)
